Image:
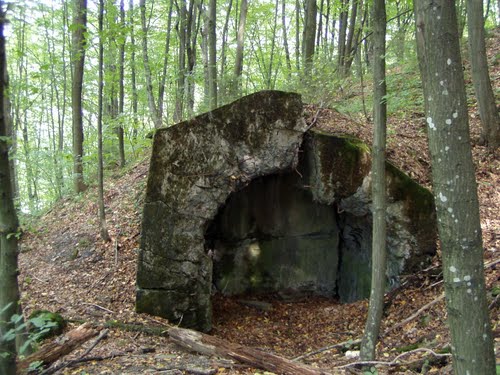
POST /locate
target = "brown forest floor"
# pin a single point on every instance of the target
(65, 267)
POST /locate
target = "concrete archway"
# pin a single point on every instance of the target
(197, 169)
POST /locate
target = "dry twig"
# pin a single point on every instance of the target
(395, 360)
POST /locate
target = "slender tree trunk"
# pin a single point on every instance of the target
(309, 35)
(319, 31)
(269, 71)
(212, 53)
(157, 121)
(223, 89)
(60, 137)
(78, 35)
(133, 71)
(9, 291)
(204, 56)
(163, 79)
(121, 79)
(240, 42)
(454, 186)
(285, 38)
(490, 119)
(350, 47)
(100, 168)
(297, 34)
(181, 77)
(379, 251)
(54, 95)
(191, 36)
(344, 13)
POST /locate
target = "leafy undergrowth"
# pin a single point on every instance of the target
(66, 268)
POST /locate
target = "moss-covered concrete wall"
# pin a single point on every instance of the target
(229, 204)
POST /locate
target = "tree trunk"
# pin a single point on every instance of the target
(349, 45)
(344, 13)
(121, 83)
(161, 85)
(157, 121)
(133, 70)
(223, 89)
(454, 186)
(100, 168)
(379, 251)
(297, 34)
(181, 77)
(212, 53)
(78, 36)
(191, 36)
(9, 226)
(210, 345)
(319, 32)
(309, 35)
(240, 40)
(284, 25)
(490, 120)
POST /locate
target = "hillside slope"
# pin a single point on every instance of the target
(65, 267)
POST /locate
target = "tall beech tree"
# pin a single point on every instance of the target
(454, 186)
(100, 167)
(212, 53)
(9, 290)
(153, 109)
(309, 34)
(79, 28)
(490, 119)
(379, 251)
(240, 39)
(121, 97)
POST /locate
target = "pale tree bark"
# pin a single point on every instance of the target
(223, 87)
(100, 168)
(157, 121)
(133, 70)
(309, 35)
(163, 79)
(212, 53)
(121, 83)
(269, 71)
(284, 25)
(181, 70)
(240, 42)
(204, 55)
(78, 60)
(379, 251)
(191, 36)
(9, 291)
(490, 119)
(454, 186)
(297, 34)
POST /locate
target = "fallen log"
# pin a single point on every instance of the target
(59, 347)
(210, 345)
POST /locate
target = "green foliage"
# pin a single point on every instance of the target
(40, 325)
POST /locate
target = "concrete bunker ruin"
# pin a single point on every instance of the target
(247, 199)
